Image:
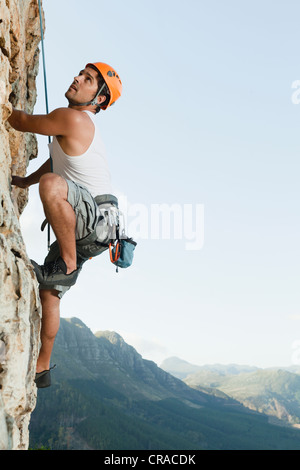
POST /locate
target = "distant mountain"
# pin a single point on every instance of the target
(106, 396)
(178, 367)
(275, 392)
(181, 369)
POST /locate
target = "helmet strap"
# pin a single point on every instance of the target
(93, 102)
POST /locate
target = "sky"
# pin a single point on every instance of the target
(203, 148)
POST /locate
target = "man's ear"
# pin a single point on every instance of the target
(101, 99)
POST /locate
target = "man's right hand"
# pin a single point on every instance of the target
(20, 182)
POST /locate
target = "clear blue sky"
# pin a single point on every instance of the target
(206, 117)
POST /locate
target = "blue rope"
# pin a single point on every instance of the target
(46, 94)
(44, 62)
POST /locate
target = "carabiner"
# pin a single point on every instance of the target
(114, 257)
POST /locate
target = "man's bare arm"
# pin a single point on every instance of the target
(33, 178)
(61, 121)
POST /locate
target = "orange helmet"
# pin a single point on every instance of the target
(112, 81)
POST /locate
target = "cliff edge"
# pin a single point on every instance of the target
(19, 296)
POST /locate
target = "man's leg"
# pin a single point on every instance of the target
(50, 325)
(60, 215)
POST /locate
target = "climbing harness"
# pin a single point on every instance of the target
(46, 94)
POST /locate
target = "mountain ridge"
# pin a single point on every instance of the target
(104, 395)
(272, 391)
(181, 368)
(105, 349)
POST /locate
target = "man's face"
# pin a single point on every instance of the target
(84, 86)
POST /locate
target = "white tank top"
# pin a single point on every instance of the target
(89, 169)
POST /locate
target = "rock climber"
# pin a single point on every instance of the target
(72, 193)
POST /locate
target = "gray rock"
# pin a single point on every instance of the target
(19, 297)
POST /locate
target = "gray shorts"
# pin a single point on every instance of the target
(87, 220)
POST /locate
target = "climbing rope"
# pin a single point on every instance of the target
(46, 93)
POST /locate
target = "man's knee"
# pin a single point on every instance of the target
(52, 186)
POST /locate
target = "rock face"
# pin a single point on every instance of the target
(19, 297)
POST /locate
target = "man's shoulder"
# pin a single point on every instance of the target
(69, 114)
(72, 123)
(72, 120)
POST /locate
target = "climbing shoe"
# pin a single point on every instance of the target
(55, 272)
(43, 379)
